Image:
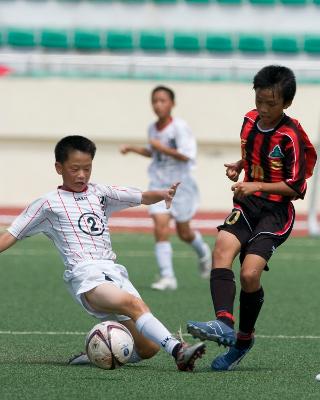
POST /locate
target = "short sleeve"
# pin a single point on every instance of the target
(295, 164)
(31, 221)
(118, 198)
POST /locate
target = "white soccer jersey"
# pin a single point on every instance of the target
(165, 170)
(77, 223)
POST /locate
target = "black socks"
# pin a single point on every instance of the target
(250, 306)
(223, 291)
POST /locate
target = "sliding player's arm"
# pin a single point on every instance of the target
(142, 151)
(153, 196)
(6, 240)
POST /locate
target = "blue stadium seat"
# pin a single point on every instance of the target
(186, 41)
(229, 2)
(54, 39)
(89, 40)
(120, 40)
(19, 37)
(311, 44)
(159, 2)
(198, 2)
(219, 42)
(153, 41)
(284, 44)
(252, 43)
(263, 2)
(294, 2)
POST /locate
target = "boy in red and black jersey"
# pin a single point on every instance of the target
(277, 158)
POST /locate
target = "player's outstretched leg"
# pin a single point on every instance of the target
(231, 358)
(216, 331)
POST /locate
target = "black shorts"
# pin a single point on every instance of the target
(260, 225)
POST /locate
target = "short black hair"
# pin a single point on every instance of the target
(165, 89)
(73, 142)
(273, 76)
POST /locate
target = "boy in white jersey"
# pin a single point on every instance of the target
(172, 148)
(75, 217)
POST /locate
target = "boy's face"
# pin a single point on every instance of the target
(270, 106)
(75, 171)
(162, 104)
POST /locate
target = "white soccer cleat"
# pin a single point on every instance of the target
(165, 283)
(79, 359)
(205, 263)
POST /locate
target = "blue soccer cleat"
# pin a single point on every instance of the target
(230, 359)
(216, 331)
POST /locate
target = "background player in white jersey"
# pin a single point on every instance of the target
(173, 149)
(75, 217)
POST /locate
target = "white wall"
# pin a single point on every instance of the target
(34, 114)
(181, 16)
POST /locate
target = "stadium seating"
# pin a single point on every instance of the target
(200, 2)
(294, 2)
(219, 42)
(229, 2)
(118, 40)
(186, 41)
(89, 40)
(18, 37)
(284, 44)
(252, 43)
(312, 44)
(263, 2)
(165, 1)
(54, 39)
(159, 41)
(153, 41)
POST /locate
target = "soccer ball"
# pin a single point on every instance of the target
(109, 345)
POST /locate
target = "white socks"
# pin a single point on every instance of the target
(153, 329)
(163, 252)
(198, 244)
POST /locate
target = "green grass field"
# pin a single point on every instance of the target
(41, 326)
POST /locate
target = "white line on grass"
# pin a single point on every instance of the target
(146, 253)
(76, 333)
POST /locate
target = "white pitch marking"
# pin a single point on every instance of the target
(78, 333)
(146, 253)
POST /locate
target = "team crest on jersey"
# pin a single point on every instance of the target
(276, 165)
(276, 152)
(91, 224)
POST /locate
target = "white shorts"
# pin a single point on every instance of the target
(184, 204)
(88, 275)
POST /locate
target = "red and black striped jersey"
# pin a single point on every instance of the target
(284, 153)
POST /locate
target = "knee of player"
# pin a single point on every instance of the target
(219, 254)
(249, 277)
(185, 236)
(148, 351)
(138, 306)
